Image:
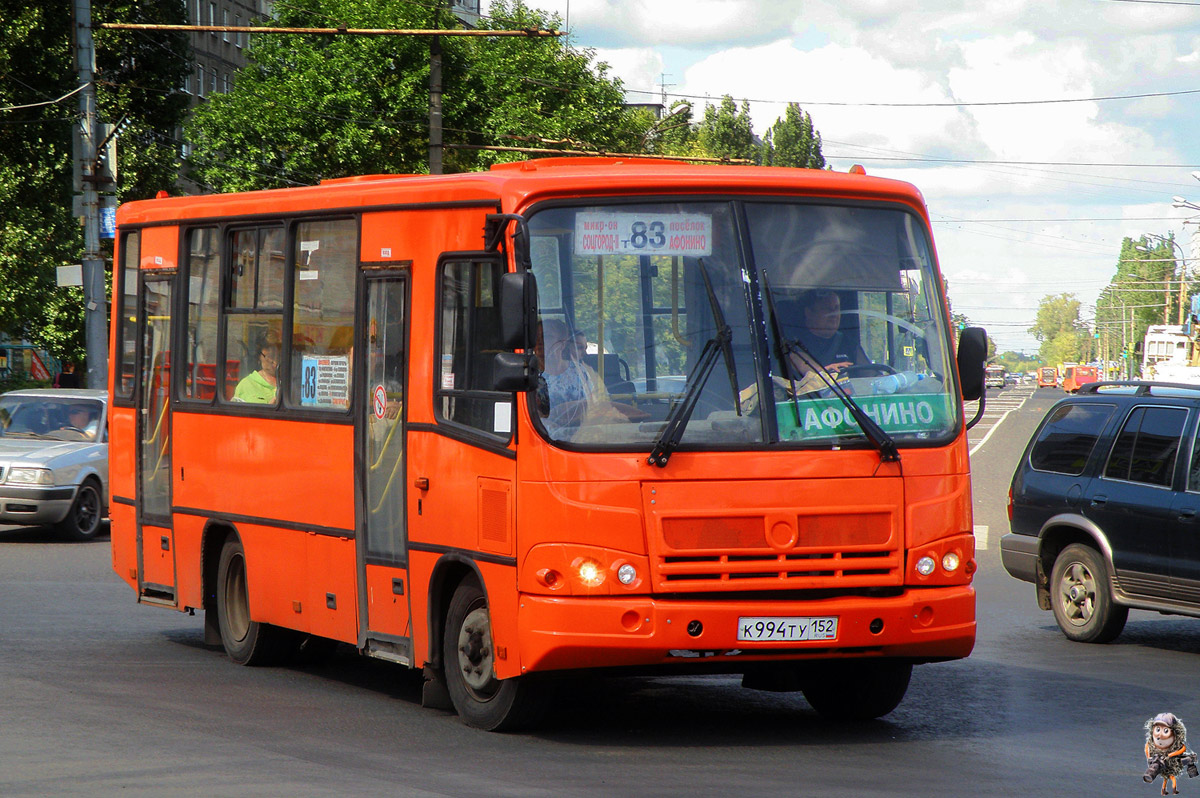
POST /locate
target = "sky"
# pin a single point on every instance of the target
(1040, 132)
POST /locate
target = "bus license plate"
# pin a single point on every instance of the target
(787, 629)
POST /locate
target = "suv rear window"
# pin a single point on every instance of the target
(1146, 449)
(1067, 438)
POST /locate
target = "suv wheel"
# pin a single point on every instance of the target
(1081, 596)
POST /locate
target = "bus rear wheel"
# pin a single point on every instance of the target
(856, 689)
(482, 700)
(246, 642)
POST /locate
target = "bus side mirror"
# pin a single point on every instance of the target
(518, 310)
(515, 372)
(972, 353)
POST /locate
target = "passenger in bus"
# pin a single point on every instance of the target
(822, 336)
(260, 386)
(570, 394)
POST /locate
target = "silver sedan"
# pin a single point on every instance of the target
(54, 460)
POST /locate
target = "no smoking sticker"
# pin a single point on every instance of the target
(378, 401)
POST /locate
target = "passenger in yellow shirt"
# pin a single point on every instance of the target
(261, 386)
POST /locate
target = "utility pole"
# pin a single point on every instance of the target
(435, 105)
(95, 297)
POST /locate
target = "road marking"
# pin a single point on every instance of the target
(981, 533)
(999, 421)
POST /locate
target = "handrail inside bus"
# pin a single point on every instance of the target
(386, 441)
(388, 487)
(675, 303)
(600, 312)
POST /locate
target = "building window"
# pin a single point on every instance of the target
(200, 81)
(237, 37)
(212, 17)
(212, 85)
(225, 83)
(225, 22)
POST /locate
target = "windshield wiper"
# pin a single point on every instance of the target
(672, 432)
(785, 347)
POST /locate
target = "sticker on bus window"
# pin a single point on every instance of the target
(502, 421)
(325, 381)
(600, 233)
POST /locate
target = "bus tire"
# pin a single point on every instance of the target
(84, 519)
(856, 689)
(482, 700)
(246, 642)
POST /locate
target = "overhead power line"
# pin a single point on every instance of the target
(330, 31)
(74, 91)
(951, 104)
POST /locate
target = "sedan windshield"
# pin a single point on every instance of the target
(648, 308)
(50, 418)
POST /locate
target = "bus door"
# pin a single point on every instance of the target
(155, 543)
(381, 461)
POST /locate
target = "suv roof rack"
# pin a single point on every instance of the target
(1142, 387)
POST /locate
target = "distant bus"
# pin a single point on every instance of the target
(1164, 345)
(1047, 377)
(994, 377)
(364, 412)
(1076, 377)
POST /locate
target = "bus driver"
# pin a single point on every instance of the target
(822, 335)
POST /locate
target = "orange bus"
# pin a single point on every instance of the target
(1075, 377)
(1047, 377)
(561, 415)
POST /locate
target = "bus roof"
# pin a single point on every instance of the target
(513, 186)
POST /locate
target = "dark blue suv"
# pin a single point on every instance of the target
(1104, 507)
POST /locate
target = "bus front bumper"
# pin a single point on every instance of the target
(642, 631)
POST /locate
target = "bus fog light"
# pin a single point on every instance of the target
(950, 561)
(590, 573)
(925, 566)
(626, 574)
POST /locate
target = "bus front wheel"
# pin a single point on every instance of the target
(246, 642)
(856, 689)
(482, 700)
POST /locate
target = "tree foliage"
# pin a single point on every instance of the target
(1058, 327)
(793, 141)
(726, 131)
(137, 75)
(1138, 295)
(311, 107)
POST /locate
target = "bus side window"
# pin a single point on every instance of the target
(326, 259)
(469, 340)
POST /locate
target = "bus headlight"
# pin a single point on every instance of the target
(626, 574)
(925, 566)
(950, 561)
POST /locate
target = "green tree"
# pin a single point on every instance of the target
(726, 131)
(1138, 295)
(311, 107)
(137, 77)
(1059, 329)
(793, 141)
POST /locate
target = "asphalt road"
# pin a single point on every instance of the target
(101, 697)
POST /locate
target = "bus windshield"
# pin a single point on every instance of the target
(747, 308)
